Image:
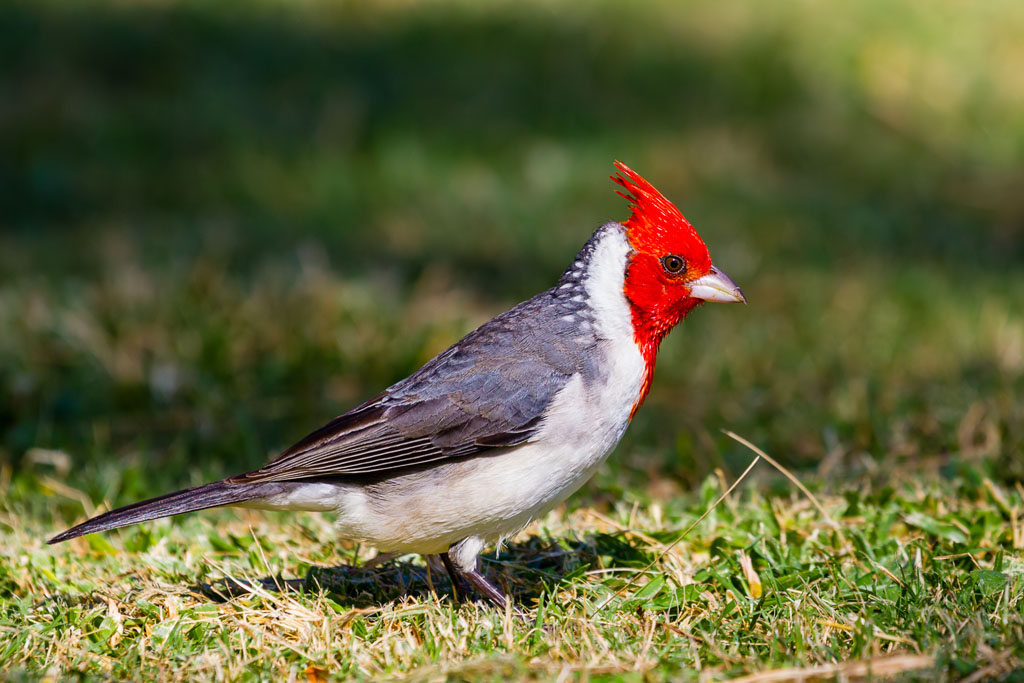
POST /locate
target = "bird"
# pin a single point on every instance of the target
(503, 425)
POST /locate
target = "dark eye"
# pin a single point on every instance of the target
(673, 264)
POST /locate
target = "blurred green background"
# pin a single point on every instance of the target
(221, 224)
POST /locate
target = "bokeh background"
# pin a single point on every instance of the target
(221, 224)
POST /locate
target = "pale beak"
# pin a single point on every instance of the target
(716, 286)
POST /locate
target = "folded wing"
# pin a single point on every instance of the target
(490, 390)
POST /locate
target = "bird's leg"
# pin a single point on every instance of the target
(461, 560)
(487, 588)
(459, 585)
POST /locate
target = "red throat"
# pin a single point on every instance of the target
(647, 334)
(655, 228)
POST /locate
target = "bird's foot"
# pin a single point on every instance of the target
(465, 580)
(486, 588)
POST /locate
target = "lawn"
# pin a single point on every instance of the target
(223, 224)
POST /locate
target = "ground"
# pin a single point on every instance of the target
(921, 580)
(223, 224)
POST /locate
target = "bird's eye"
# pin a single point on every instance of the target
(673, 264)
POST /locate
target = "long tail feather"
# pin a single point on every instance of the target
(209, 495)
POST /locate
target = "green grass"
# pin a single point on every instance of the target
(929, 574)
(223, 224)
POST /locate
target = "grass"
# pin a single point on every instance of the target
(922, 579)
(224, 224)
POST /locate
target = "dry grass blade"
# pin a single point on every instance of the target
(786, 473)
(879, 667)
(678, 540)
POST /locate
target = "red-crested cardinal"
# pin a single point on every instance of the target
(506, 423)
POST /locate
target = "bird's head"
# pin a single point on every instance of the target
(670, 271)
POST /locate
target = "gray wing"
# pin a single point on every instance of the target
(490, 389)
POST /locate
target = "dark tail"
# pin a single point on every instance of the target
(209, 495)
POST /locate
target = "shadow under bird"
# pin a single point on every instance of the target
(506, 423)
